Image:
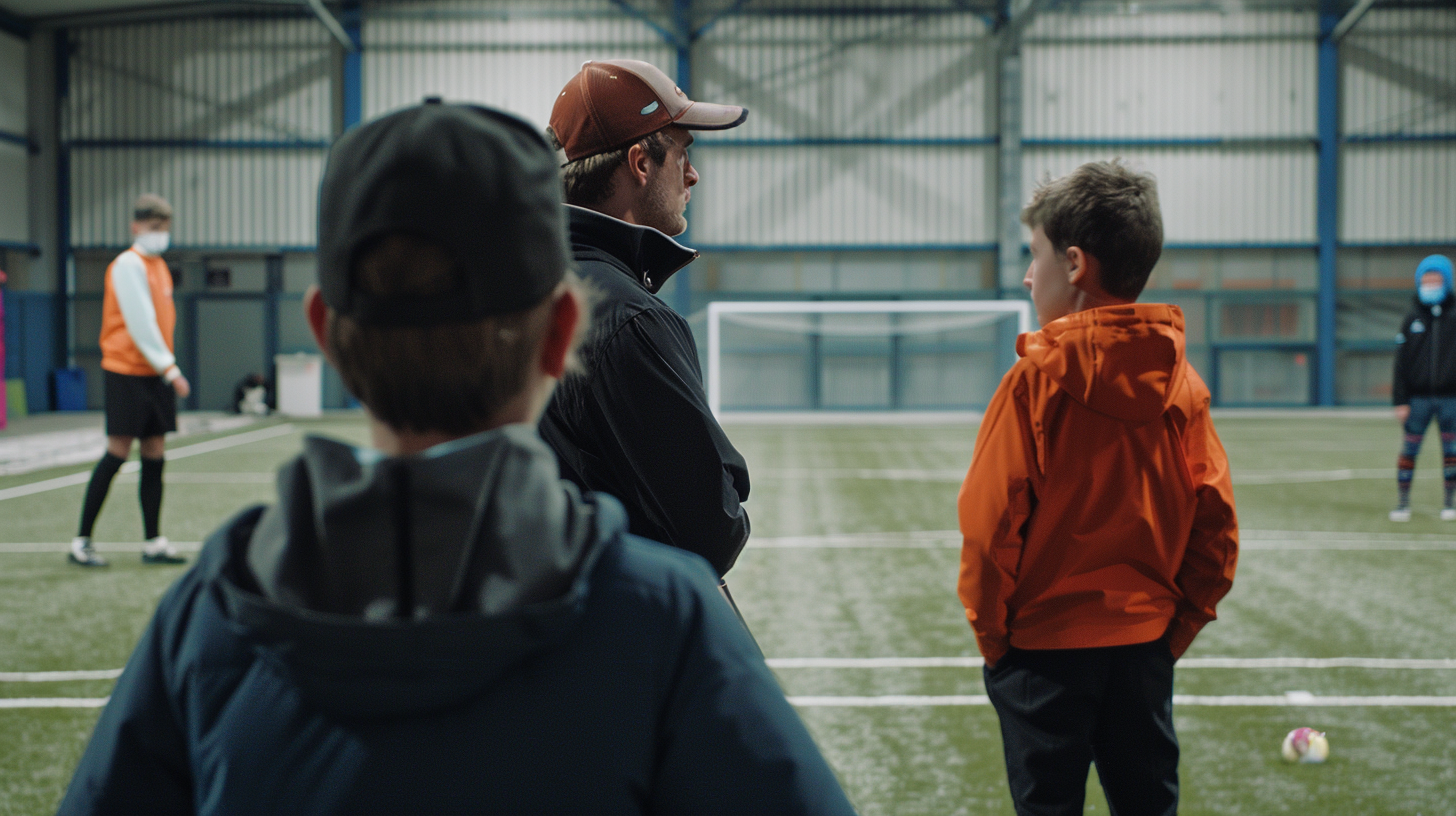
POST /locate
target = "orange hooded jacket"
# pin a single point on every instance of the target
(1098, 510)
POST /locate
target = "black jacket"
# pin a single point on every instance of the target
(636, 424)
(1425, 354)
(558, 664)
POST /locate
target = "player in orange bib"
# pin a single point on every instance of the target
(142, 380)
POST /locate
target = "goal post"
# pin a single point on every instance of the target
(859, 355)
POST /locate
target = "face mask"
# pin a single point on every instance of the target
(154, 243)
(1431, 295)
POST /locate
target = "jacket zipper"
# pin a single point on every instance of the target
(1435, 346)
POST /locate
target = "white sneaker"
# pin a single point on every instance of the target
(1402, 514)
(81, 553)
(160, 551)
(1448, 514)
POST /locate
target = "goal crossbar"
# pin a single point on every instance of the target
(718, 308)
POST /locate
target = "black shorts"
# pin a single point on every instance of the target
(139, 406)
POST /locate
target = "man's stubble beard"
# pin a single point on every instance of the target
(662, 207)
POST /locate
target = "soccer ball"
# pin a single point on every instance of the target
(1306, 745)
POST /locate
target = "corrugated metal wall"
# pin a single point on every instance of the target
(1244, 195)
(227, 118)
(1398, 82)
(518, 62)
(908, 100)
(14, 157)
(1231, 98)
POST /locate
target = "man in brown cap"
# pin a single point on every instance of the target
(636, 424)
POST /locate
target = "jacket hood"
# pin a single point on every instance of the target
(1123, 361)
(651, 254)
(1435, 263)
(386, 586)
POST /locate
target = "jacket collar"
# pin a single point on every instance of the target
(651, 255)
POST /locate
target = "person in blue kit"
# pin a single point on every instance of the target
(1424, 385)
(437, 622)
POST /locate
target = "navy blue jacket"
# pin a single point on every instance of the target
(637, 691)
(1425, 352)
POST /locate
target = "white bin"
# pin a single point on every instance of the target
(300, 384)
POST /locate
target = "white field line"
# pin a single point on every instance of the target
(131, 467)
(58, 676)
(53, 702)
(107, 546)
(1185, 663)
(190, 477)
(1250, 540)
(1293, 698)
(909, 700)
(928, 663)
(958, 474)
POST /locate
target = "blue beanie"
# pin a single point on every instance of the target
(1435, 263)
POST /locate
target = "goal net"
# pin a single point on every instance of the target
(892, 355)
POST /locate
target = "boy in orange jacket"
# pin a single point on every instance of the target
(1098, 513)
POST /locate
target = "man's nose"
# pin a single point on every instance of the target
(690, 174)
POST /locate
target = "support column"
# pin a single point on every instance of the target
(1010, 268)
(353, 24)
(1327, 219)
(65, 267)
(682, 24)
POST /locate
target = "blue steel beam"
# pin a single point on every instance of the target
(13, 24)
(353, 79)
(15, 138)
(682, 20)
(61, 55)
(1327, 208)
(672, 37)
(332, 25)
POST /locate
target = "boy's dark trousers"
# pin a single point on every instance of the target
(1062, 709)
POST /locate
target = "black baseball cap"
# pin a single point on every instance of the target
(479, 182)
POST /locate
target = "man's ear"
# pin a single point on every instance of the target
(639, 165)
(316, 313)
(566, 313)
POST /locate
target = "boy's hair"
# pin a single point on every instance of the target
(151, 207)
(451, 378)
(589, 181)
(1111, 213)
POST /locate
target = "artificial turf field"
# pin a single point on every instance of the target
(853, 557)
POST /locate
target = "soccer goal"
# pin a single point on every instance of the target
(890, 355)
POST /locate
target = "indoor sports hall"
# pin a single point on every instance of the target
(857, 301)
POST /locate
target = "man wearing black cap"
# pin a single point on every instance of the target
(637, 424)
(438, 623)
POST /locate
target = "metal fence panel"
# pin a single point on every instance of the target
(1210, 195)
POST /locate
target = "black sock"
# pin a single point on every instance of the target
(96, 491)
(150, 492)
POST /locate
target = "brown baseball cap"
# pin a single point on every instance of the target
(610, 104)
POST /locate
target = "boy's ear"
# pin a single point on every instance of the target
(316, 313)
(1084, 271)
(566, 312)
